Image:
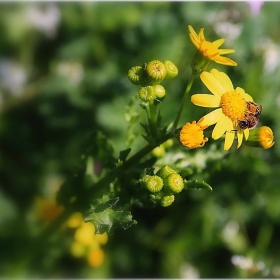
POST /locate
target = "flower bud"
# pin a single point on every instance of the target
(167, 200)
(171, 69)
(159, 151)
(147, 94)
(165, 171)
(261, 137)
(159, 91)
(153, 183)
(156, 71)
(168, 143)
(137, 75)
(174, 182)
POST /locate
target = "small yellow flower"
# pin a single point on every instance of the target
(211, 50)
(95, 257)
(191, 135)
(266, 137)
(85, 234)
(47, 209)
(86, 242)
(230, 104)
(261, 137)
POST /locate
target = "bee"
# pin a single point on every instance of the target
(251, 116)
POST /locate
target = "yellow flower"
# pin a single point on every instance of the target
(86, 242)
(230, 103)
(266, 137)
(85, 234)
(47, 209)
(95, 257)
(261, 137)
(191, 135)
(211, 50)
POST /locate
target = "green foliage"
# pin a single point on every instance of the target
(104, 214)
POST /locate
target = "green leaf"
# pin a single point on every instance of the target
(195, 184)
(104, 216)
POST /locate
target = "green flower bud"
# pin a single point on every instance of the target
(147, 94)
(159, 91)
(165, 171)
(168, 143)
(200, 63)
(167, 200)
(156, 72)
(158, 151)
(137, 75)
(174, 182)
(153, 183)
(171, 69)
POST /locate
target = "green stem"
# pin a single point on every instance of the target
(187, 91)
(153, 119)
(144, 151)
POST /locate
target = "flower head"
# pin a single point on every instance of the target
(210, 50)
(261, 137)
(191, 135)
(266, 137)
(230, 103)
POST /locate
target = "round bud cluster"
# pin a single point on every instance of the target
(164, 185)
(149, 76)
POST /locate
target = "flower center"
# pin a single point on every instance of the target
(233, 105)
(208, 49)
(191, 135)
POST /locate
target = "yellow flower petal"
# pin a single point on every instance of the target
(211, 118)
(218, 42)
(225, 61)
(239, 138)
(201, 34)
(206, 100)
(248, 97)
(224, 80)
(212, 83)
(228, 140)
(224, 124)
(192, 30)
(246, 133)
(194, 40)
(226, 51)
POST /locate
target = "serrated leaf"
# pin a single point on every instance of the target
(196, 184)
(104, 216)
(103, 221)
(125, 219)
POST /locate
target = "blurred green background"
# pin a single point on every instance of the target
(63, 75)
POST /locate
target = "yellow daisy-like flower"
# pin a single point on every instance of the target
(230, 103)
(211, 50)
(191, 135)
